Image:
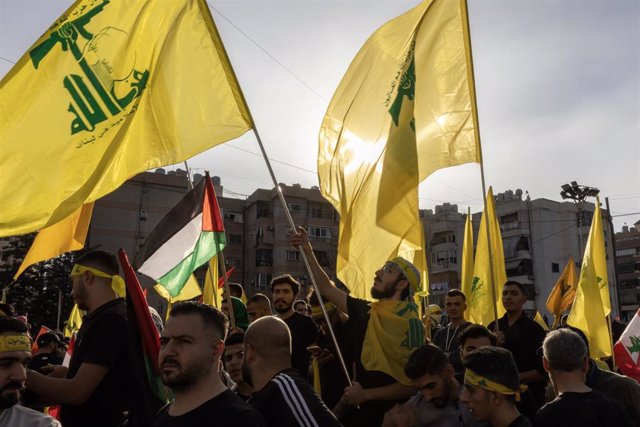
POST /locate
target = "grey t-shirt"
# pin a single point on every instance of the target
(453, 414)
(19, 416)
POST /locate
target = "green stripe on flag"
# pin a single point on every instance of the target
(208, 245)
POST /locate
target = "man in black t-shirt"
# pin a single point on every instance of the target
(304, 331)
(492, 388)
(282, 397)
(391, 323)
(523, 338)
(566, 359)
(191, 346)
(94, 390)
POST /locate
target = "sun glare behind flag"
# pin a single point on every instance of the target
(187, 237)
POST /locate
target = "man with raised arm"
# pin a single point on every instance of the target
(384, 333)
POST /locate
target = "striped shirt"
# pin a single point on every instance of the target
(289, 401)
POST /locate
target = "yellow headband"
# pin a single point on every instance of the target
(472, 378)
(14, 343)
(409, 271)
(317, 311)
(116, 281)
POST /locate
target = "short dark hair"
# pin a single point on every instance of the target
(211, 316)
(495, 364)
(236, 290)
(101, 260)
(476, 331)
(313, 299)
(235, 338)
(259, 297)
(300, 301)
(457, 293)
(9, 324)
(7, 310)
(520, 286)
(427, 359)
(286, 279)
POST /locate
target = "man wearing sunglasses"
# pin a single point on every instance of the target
(94, 389)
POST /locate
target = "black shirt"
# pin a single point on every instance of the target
(521, 421)
(447, 339)
(591, 409)
(524, 340)
(370, 413)
(102, 340)
(224, 410)
(332, 377)
(43, 359)
(304, 332)
(289, 401)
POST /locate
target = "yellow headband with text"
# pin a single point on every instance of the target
(317, 311)
(14, 343)
(117, 283)
(409, 271)
(472, 378)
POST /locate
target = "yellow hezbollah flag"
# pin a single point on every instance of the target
(466, 276)
(212, 293)
(588, 312)
(394, 331)
(563, 292)
(403, 110)
(111, 89)
(485, 294)
(59, 238)
(74, 322)
(189, 291)
(540, 321)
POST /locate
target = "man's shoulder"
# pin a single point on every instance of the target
(20, 416)
(357, 306)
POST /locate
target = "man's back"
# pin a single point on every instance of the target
(102, 341)
(289, 401)
(617, 387)
(224, 410)
(304, 332)
(590, 409)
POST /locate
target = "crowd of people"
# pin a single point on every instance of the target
(286, 364)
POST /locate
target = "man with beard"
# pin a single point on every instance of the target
(492, 387)
(384, 334)
(304, 331)
(191, 346)
(95, 389)
(437, 403)
(15, 353)
(523, 338)
(282, 397)
(447, 338)
(233, 365)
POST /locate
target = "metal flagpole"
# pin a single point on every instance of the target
(232, 75)
(472, 93)
(59, 308)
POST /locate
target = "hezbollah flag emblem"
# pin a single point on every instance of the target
(187, 237)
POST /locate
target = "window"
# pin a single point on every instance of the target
(294, 208)
(512, 217)
(314, 211)
(555, 267)
(443, 237)
(319, 232)
(263, 209)
(293, 255)
(627, 267)
(323, 258)
(264, 258)
(262, 281)
(444, 257)
(235, 239)
(627, 252)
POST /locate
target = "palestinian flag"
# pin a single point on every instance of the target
(627, 349)
(186, 238)
(148, 392)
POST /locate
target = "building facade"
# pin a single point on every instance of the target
(628, 269)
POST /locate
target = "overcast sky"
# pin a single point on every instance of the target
(558, 85)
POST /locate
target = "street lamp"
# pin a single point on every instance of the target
(578, 193)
